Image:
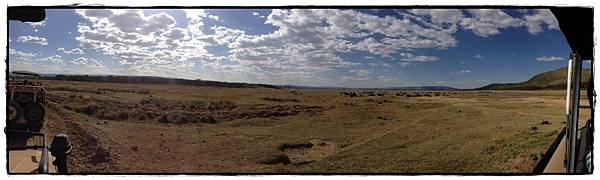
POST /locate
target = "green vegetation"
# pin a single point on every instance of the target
(555, 79)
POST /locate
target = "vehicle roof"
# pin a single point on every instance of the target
(26, 73)
(577, 24)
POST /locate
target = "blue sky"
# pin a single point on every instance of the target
(463, 48)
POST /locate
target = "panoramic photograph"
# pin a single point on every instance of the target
(306, 90)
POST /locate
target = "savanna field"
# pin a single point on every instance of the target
(136, 128)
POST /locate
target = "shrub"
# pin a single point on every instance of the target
(194, 104)
(89, 109)
(280, 99)
(142, 117)
(208, 119)
(275, 158)
(219, 105)
(122, 115)
(294, 145)
(112, 114)
(150, 100)
(179, 117)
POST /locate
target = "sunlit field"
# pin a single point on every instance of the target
(176, 128)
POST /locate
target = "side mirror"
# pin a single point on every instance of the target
(60, 148)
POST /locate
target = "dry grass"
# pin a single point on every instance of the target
(379, 131)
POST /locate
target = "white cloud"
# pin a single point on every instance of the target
(300, 42)
(477, 56)
(466, 71)
(224, 35)
(386, 79)
(358, 75)
(257, 14)
(404, 64)
(88, 63)
(79, 61)
(419, 58)
(534, 22)
(311, 40)
(33, 39)
(17, 55)
(306, 43)
(36, 25)
(379, 64)
(19, 60)
(51, 59)
(487, 22)
(549, 58)
(440, 18)
(146, 44)
(195, 17)
(214, 17)
(363, 72)
(129, 21)
(72, 51)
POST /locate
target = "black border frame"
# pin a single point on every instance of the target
(78, 6)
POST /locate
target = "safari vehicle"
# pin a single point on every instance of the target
(26, 97)
(572, 150)
(27, 148)
(26, 143)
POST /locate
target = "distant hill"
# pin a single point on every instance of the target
(555, 79)
(412, 88)
(151, 80)
(198, 82)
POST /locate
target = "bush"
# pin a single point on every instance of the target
(219, 105)
(142, 117)
(149, 100)
(122, 115)
(208, 119)
(294, 145)
(111, 114)
(275, 158)
(195, 104)
(89, 109)
(179, 117)
(280, 99)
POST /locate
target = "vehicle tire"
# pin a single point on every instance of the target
(34, 114)
(14, 111)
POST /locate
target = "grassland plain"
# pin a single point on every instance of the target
(140, 128)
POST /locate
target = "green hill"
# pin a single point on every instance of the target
(555, 79)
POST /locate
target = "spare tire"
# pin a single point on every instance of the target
(34, 113)
(14, 111)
